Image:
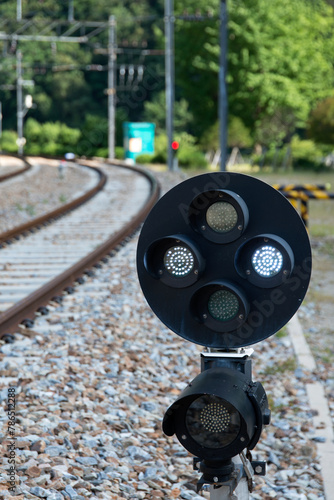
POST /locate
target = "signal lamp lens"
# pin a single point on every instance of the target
(175, 261)
(220, 305)
(223, 305)
(212, 422)
(222, 217)
(179, 261)
(267, 261)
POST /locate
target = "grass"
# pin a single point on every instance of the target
(282, 333)
(62, 198)
(30, 209)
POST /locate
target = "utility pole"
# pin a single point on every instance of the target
(112, 55)
(22, 107)
(169, 67)
(19, 94)
(223, 98)
(70, 11)
(0, 119)
(19, 10)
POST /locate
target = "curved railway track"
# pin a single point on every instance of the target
(60, 247)
(17, 171)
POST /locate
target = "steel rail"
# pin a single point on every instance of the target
(27, 307)
(36, 223)
(27, 166)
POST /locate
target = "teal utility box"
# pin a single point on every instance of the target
(138, 138)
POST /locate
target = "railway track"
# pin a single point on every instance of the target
(9, 172)
(51, 261)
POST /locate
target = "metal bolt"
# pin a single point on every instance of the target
(248, 272)
(160, 271)
(203, 228)
(242, 439)
(221, 195)
(240, 227)
(215, 479)
(196, 271)
(285, 272)
(184, 436)
(241, 316)
(258, 469)
(266, 240)
(204, 316)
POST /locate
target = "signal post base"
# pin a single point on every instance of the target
(224, 492)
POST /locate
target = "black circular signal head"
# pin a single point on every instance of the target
(224, 260)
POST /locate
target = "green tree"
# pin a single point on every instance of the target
(155, 111)
(280, 58)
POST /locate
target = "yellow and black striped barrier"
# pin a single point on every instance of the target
(300, 194)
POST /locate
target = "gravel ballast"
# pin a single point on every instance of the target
(40, 190)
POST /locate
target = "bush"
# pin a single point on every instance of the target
(145, 158)
(49, 138)
(238, 134)
(321, 122)
(8, 141)
(160, 149)
(192, 158)
(306, 154)
(274, 157)
(102, 152)
(119, 152)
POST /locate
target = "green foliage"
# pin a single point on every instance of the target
(280, 65)
(188, 154)
(280, 58)
(238, 134)
(8, 141)
(155, 112)
(144, 158)
(160, 149)
(119, 153)
(190, 157)
(302, 154)
(306, 154)
(273, 157)
(272, 130)
(50, 138)
(321, 122)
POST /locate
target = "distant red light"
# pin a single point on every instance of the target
(175, 145)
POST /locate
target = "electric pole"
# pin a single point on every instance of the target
(169, 65)
(112, 54)
(19, 95)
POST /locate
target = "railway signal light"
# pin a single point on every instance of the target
(219, 414)
(175, 145)
(224, 261)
